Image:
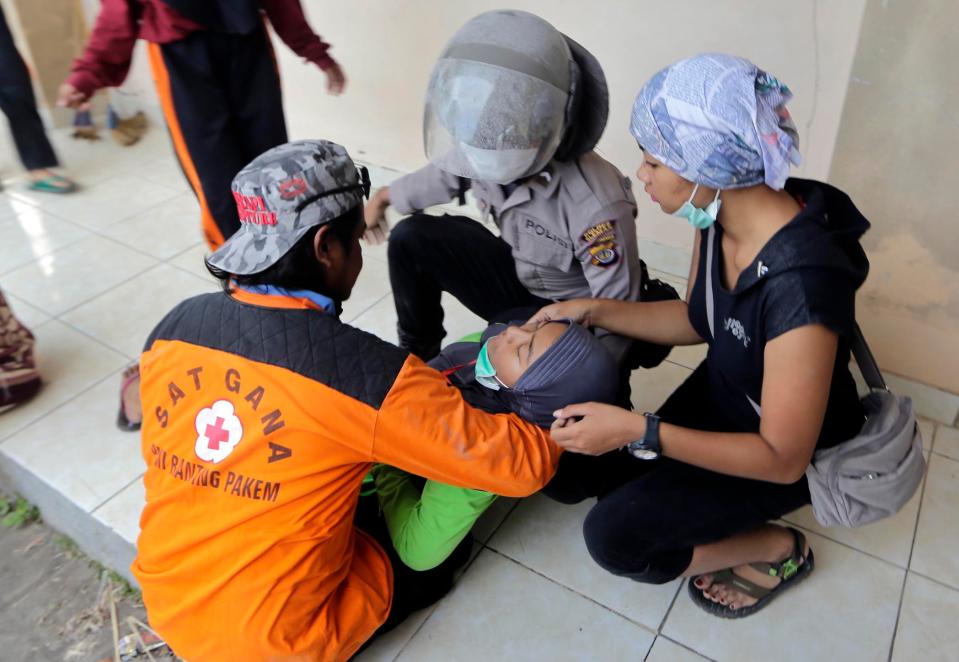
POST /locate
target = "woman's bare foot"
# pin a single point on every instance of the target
(728, 596)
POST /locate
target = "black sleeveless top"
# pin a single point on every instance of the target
(806, 274)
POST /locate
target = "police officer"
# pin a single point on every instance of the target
(513, 111)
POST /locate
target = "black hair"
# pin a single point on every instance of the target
(298, 269)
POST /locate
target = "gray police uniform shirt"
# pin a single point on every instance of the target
(572, 228)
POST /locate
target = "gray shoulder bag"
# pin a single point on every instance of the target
(874, 474)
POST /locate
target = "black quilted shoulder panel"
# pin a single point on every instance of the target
(309, 342)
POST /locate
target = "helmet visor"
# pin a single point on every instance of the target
(489, 123)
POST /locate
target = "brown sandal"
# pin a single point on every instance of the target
(791, 571)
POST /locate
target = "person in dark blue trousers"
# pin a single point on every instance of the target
(20, 106)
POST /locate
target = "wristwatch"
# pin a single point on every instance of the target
(648, 447)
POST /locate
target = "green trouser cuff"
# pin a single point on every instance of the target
(426, 526)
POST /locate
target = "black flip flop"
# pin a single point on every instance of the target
(792, 571)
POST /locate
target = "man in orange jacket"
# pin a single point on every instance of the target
(264, 412)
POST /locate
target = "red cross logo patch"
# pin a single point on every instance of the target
(218, 431)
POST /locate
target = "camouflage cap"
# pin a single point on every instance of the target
(284, 192)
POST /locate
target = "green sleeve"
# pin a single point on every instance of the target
(426, 527)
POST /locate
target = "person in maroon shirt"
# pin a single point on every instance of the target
(217, 80)
(218, 84)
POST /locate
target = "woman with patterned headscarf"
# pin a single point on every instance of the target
(691, 491)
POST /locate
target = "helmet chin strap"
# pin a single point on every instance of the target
(573, 104)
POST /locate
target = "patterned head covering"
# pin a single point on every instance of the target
(284, 192)
(718, 121)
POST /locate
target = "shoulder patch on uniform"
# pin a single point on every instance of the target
(605, 231)
(601, 240)
(603, 255)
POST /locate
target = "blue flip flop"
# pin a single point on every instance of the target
(54, 184)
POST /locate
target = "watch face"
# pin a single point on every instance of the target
(643, 454)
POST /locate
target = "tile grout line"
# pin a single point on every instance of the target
(37, 258)
(672, 603)
(187, 270)
(17, 301)
(69, 310)
(691, 650)
(207, 279)
(678, 365)
(60, 216)
(846, 544)
(92, 512)
(36, 420)
(366, 310)
(103, 235)
(91, 337)
(179, 253)
(573, 590)
(943, 455)
(938, 582)
(683, 646)
(912, 549)
(157, 261)
(649, 651)
(501, 522)
(96, 232)
(433, 607)
(417, 630)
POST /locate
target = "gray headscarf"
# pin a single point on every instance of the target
(575, 368)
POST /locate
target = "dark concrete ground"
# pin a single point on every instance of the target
(55, 603)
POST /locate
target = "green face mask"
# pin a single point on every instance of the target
(485, 372)
(699, 218)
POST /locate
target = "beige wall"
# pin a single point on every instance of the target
(897, 155)
(48, 35)
(388, 48)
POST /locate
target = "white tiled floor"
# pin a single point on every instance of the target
(92, 273)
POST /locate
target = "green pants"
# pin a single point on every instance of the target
(426, 526)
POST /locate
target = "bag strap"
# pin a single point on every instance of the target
(865, 360)
(710, 303)
(860, 350)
